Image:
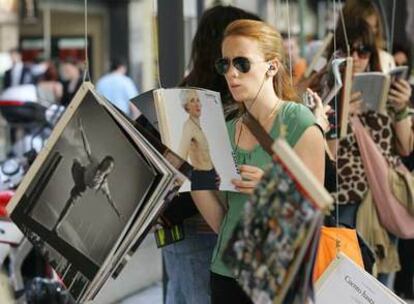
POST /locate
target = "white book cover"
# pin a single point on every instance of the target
(344, 282)
(192, 125)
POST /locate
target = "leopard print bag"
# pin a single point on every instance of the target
(352, 181)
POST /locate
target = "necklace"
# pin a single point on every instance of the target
(272, 114)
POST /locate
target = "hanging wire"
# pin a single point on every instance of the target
(348, 47)
(290, 45)
(391, 43)
(155, 31)
(86, 74)
(338, 244)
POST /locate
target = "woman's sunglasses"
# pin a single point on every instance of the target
(363, 51)
(242, 64)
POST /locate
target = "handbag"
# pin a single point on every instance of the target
(332, 241)
(397, 216)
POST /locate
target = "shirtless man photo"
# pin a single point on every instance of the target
(194, 145)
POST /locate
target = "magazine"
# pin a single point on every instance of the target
(96, 165)
(274, 243)
(344, 282)
(191, 122)
(340, 104)
(375, 86)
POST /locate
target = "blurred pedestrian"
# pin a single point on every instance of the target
(49, 88)
(19, 73)
(117, 87)
(72, 80)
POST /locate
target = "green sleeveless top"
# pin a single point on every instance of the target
(297, 118)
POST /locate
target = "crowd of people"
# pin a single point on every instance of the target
(57, 82)
(247, 61)
(258, 70)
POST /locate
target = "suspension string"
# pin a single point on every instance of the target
(337, 241)
(155, 31)
(348, 47)
(290, 46)
(86, 74)
(391, 44)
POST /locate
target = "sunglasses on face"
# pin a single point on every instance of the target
(363, 51)
(242, 64)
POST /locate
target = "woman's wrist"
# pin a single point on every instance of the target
(401, 114)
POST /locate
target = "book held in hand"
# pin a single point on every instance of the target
(273, 246)
(94, 192)
(375, 87)
(344, 282)
(191, 123)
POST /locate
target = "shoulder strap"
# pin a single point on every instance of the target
(264, 139)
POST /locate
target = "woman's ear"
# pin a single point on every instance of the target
(273, 68)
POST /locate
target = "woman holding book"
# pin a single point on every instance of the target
(390, 134)
(363, 50)
(187, 262)
(253, 65)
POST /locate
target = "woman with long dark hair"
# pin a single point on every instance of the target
(187, 262)
(253, 64)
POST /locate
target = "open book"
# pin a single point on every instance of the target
(375, 86)
(344, 282)
(273, 245)
(191, 123)
(94, 191)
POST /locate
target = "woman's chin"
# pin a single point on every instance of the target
(238, 97)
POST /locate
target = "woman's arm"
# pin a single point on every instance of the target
(210, 207)
(405, 136)
(209, 204)
(311, 150)
(399, 97)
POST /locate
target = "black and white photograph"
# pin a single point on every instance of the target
(101, 175)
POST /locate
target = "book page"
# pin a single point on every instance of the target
(76, 204)
(374, 87)
(344, 282)
(193, 126)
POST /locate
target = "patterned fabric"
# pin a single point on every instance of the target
(352, 181)
(380, 128)
(278, 222)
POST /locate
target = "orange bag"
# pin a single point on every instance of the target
(348, 244)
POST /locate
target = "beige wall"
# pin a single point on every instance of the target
(9, 31)
(72, 24)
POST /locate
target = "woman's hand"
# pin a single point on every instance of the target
(251, 176)
(320, 111)
(355, 104)
(399, 95)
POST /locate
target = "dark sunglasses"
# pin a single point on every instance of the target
(363, 51)
(242, 64)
